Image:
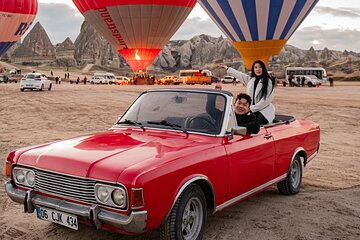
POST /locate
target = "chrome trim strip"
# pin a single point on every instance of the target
(311, 157)
(252, 191)
(135, 222)
(297, 150)
(185, 185)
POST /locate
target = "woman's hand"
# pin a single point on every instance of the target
(223, 66)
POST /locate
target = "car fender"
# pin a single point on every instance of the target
(186, 182)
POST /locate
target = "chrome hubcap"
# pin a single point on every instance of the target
(295, 174)
(192, 219)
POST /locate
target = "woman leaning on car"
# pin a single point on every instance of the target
(260, 86)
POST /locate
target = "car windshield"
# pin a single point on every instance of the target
(32, 76)
(186, 111)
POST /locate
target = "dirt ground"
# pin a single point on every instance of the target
(328, 206)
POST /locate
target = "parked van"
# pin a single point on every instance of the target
(110, 77)
(195, 76)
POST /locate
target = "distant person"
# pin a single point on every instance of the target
(290, 79)
(56, 80)
(298, 81)
(234, 81)
(51, 73)
(68, 75)
(284, 83)
(303, 81)
(59, 80)
(85, 80)
(261, 87)
(65, 75)
(77, 80)
(243, 115)
(331, 80)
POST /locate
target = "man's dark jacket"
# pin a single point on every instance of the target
(248, 121)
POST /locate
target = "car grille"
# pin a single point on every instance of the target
(65, 186)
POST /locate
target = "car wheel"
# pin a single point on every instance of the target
(291, 185)
(50, 86)
(310, 84)
(187, 219)
(21, 89)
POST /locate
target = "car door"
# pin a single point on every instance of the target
(251, 162)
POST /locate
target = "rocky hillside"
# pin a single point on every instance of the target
(201, 51)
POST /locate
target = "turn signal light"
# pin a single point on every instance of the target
(137, 198)
(7, 169)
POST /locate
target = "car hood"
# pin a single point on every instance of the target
(106, 155)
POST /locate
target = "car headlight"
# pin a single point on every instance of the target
(118, 197)
(114, 196)
(24, 176)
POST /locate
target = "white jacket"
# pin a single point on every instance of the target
(259, 104)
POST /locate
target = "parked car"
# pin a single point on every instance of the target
(14, 71)
(173, 157)
(309, 80)
(98, 80)
(229, 79)
(35, 81)
(122, 80)
(3, 78)
(109, 77)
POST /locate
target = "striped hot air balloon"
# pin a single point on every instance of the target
(258, 28)
(138, 29)
(16, 17)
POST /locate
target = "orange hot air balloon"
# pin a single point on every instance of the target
(258, 29)
(138, 29)
(15, 18)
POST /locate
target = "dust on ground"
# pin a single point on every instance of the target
(328, 206)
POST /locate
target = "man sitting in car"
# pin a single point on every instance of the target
(244, 117)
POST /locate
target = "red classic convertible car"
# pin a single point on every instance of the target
(173, 157)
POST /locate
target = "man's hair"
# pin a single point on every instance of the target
(244, 96)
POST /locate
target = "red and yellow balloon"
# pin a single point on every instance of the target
(138, 29)
(16, 17)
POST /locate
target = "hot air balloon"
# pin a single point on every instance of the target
(258, 28)
(16, 17)
(138, 29)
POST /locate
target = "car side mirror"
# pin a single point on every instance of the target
(237, 131)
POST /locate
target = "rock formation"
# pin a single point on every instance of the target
(35, 47)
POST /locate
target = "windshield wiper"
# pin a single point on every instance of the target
(169, 124)
(130, 122)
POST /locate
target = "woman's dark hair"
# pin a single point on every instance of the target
(264, 76)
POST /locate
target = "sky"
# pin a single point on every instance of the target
(332, 23)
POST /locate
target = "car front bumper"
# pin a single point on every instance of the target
(133, 223)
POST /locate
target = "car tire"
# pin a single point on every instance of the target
(50, 86)
(187, 218)
(291, 185)
(310, 84)
(21, 89)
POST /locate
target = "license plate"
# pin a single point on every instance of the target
(29, 85)
(58, 217)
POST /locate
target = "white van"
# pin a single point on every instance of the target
(109, 77)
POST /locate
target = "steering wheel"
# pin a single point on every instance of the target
(202, 118)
